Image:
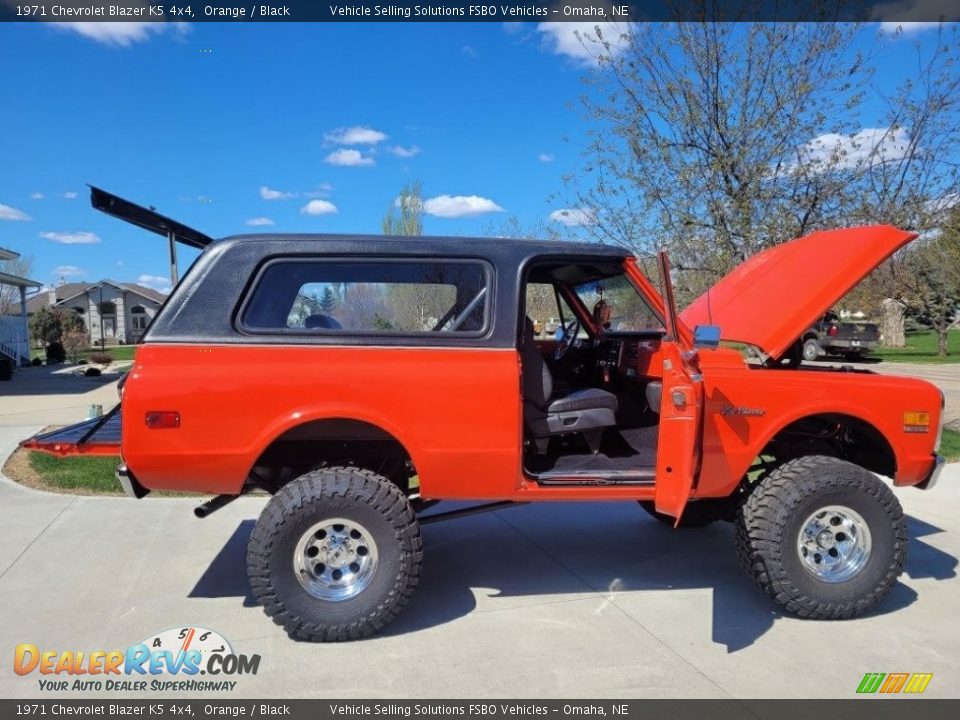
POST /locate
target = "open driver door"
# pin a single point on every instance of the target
(681, 410)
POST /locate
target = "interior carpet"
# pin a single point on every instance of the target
(621, 450)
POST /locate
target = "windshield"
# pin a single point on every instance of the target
(617, 305)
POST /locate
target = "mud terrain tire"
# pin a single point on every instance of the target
(387, 546)
(771, 526)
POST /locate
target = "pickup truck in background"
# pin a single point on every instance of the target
(833, 336)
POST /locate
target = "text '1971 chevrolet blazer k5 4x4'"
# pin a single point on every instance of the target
(358, 380)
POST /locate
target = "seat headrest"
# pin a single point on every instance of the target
(321, 321)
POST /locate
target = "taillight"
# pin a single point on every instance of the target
(833, 331)
(163, 419)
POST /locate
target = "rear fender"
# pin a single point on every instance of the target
(276, 430)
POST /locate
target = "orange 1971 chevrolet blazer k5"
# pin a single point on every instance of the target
(358, 380)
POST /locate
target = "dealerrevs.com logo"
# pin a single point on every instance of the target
(167, 661)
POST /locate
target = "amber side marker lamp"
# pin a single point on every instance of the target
(916, 421)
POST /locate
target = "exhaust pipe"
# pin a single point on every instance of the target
(213, 504)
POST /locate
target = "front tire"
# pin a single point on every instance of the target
(823, 537)
(811, 349)
(335, 555)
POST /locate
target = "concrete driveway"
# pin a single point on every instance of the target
(550, 600)
(565, 600)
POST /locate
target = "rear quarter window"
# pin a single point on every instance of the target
(369, 297)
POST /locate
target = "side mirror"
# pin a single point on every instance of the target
(706, 336)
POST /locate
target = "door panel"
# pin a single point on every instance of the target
(681, 411)
(681, 417)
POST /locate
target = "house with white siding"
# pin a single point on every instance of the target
(114, 311)
(14, 335)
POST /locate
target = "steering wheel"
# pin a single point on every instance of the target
(567, 338)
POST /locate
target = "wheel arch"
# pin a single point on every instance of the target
(838, 434)
(309, 442)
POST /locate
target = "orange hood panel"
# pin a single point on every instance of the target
(773, 297)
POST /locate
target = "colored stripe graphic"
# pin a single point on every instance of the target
(894, 682)
(918, 682)
(871, 682)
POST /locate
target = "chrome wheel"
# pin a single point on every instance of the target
(834, 543)
(335, 559)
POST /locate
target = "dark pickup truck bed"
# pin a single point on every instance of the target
(831, 336)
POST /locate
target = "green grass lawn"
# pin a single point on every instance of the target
(80, 474)
(922, 348)
(119, 352)
(950, 445)
(92, 474)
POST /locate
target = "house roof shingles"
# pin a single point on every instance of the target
(69, 290)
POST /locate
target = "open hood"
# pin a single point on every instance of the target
(773, 297)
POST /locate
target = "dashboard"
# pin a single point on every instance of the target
(630, 356)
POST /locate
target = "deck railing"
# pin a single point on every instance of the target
(15, 338)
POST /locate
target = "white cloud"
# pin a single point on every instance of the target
(74, 238)
(36, 196)
(943, 203)
(70, 195)
(907, 28)
(323, 190)
(356, 135)
(318, 207)
(260, 222)
(469, 51)
(863, 149)
(69, 271)
(155, 282)
(270, 194)
(121, 34)
(545, 157)
(447, 206)
(11, 213)
(348, 158)
(574, 217)
(579, 40)
(405, 152)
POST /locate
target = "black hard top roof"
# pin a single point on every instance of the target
(150, 219)
(433, 244)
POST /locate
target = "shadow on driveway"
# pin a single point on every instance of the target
(47, 380)
(555, 550)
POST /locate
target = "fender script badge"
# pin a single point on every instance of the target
(731, 410)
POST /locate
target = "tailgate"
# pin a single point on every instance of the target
(865, 332)
(99, 436)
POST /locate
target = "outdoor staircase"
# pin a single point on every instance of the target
(14, 340)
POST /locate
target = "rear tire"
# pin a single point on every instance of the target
(335, 555)
(823, 537)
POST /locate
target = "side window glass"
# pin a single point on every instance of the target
(542, 309)
(383, 297)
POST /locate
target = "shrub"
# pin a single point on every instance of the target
(55, 353)
(36, 362)
(92, 372)
(74, 342)
(81, 361)
(101, 358)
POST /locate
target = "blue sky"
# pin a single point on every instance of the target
(312, 127)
